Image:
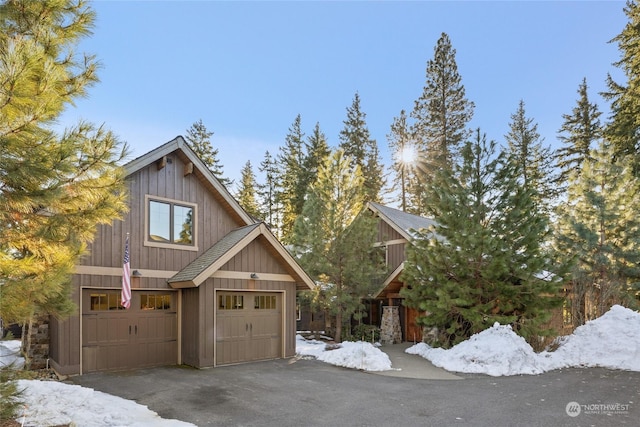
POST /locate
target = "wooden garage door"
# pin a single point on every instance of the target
(248, 326)
(116, 339)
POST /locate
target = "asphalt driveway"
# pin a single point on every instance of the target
(311, 393)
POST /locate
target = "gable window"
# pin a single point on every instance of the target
(170, 223)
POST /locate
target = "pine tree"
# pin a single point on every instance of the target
(356, 142)
(405, 163)
(290, 161)
(54, 189)
(333, 242)
(482, 263)
(579, 132)
(623, 129)
(317, 152)
(535, 162)
(599, 229)
(199, 140)
(442, 112)
(269, 193)
(247, 195)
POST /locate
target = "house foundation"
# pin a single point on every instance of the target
(390, 331)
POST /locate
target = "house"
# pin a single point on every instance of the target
(398, 322)
(210, 285)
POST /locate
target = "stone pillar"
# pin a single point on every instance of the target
(390, 332)
(39, 352)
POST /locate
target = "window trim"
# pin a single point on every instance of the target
(150, 243)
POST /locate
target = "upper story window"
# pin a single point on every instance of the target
(170, 223)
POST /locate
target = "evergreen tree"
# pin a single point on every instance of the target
(442, 112)
(290, 161)
(535, 163)
(54, 189)
(317, 151)
(580, 130)
(333, 242)
(623, 129)
(405, 163)
(269, 193)
(247, 193)
(483, 262)
(199, 140)
(599, 229)
(357, 144)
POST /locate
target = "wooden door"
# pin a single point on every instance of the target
(248, 327)
(117, 339)
(413, 331)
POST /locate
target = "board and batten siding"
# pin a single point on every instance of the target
(395, 252)
(199, 303)
(107, 250)
(213, 223)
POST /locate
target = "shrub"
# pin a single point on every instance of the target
(368, 333)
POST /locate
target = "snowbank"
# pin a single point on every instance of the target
(495, 351)
(355, 355)
(54, 403)
(610, 341)
(10, 354)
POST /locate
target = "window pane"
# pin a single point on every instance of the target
(182, 225)
(98, 302)
(105, 301)
(159, 221)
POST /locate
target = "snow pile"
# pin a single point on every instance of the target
(10, 354)
(355, 355)
(55, 403)
(495, 351)
(610, 341)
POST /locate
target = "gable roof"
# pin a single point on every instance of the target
(229, 246)
(179, 146)
(402, 222)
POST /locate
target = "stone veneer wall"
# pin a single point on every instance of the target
(390, 332)
(39, 352)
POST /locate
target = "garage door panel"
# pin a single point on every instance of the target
(117, 339)
(252, 332)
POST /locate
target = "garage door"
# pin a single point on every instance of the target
(116, 339)
(248, 326)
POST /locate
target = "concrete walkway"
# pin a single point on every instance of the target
(406, 365)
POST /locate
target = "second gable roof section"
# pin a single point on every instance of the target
(187, 154)
(401, 221)
(226, 248)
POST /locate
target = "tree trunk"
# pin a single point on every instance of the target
(26, 341)
(338, 337)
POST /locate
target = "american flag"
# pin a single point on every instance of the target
(126, 276)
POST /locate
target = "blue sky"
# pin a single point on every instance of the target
(248, 68)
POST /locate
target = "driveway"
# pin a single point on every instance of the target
(311, 393)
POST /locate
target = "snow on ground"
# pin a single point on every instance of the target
(52, 403)
(495, 351)
(356, 355)
(610, 341)
(10, 354)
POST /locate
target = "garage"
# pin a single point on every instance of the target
(248, 326)
(113, 338)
